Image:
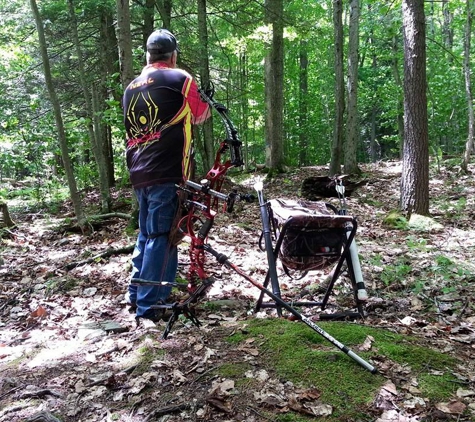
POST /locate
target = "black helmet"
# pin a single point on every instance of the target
(161, 41)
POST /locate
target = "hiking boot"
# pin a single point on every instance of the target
(131, 304)
(159, 312)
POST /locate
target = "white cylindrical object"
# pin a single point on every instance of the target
(355, 261)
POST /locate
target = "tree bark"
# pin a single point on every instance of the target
(243, 84)
(352, 122)
(415, 167)
(274, 88)
(124, 39)
(68, 167)
(336, 156)
(468, 86)
(7, 220)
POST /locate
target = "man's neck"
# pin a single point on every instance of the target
(160, 65)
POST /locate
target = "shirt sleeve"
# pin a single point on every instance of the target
(199, 109)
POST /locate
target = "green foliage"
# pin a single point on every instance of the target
(237, 46)
(396, 273)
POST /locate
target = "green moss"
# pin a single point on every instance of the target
(437, 387)
(234, 370)
(395, 220)
(298, 354)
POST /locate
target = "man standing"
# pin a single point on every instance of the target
(160, 106)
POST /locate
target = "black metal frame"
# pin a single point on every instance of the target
(347, 222)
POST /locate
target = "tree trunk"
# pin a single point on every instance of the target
(124, 39)
(109, 67)
(274, 88)
(352, 122)
(303, 105)
(94, 135)
(415, 168)
(336, 158)
(148, 21)
(6, 219)
(400, 101)
(209, 150)
(165, 11)
(68, 168)
(243, 84)
(468, 86)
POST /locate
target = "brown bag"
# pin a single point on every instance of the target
(313, 237)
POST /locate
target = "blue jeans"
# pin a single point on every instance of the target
(154, 258)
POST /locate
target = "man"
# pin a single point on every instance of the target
(160, 107)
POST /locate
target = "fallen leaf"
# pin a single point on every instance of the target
(465, 393)
(219, 403)
(366, 344)
(453, 407)
(39, 312)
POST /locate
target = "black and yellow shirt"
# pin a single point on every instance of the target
(160, 107)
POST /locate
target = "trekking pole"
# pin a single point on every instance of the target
(223, 260)
(268, 242)
(361, 293)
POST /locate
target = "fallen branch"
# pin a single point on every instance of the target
(105, 254)
(43, 417)
(39, 394)
(109, 215)
(170, 409)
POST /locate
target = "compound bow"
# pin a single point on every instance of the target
(200, 208)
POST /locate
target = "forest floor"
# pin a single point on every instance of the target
(69, 347)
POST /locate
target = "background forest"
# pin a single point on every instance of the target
(86, 45)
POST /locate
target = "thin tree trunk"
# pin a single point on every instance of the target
(400, 101)
(68, 168)
(165, 11)
(274, 88)
(243, 83)
(209, 150)
(415, 168)
(148, 21)
(336, 156)
(303, 104)
(352, 123)
(124, 39)
(109, 67)
(94, 135)
(468, 86)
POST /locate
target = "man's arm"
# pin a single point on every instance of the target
(199, 108)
